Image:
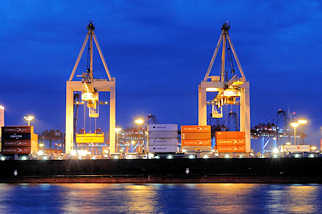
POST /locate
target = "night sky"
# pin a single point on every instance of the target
(159, 51)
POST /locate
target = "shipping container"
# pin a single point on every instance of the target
(163, 127)
(195, 129)
(196, 142)
(90, 138)
(17, 129)
(16, 150)
(188, 149)
(9, 136)
(230, 135)
(230, 142)
(163, 149)
(163, 134)
(196, 136)
(295, 148)
(229, 149)
(16, 143)
(163, 140)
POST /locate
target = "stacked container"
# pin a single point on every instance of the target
(195, 137)
(230, 141)
(162, 138)
(19, 140)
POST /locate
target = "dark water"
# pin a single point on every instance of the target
(160, 198)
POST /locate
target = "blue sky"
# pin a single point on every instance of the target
(159, 51)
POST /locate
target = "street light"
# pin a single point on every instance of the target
(297, 124)
(139, 121)
(29, 118)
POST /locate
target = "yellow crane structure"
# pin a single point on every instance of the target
(89, 88)
(230, 91)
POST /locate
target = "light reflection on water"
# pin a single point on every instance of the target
(160, 198)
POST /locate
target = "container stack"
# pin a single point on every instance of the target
(19, 140)
(195, 137)
(230, 141)
(162, 138)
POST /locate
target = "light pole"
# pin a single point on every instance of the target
(117, 131)
(29, 118)
(140, 121)
(297, 124)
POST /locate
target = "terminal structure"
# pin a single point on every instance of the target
(90, 89)
(231, 88)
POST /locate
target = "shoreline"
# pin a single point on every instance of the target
(162, 180)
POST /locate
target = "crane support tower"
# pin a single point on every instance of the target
(89, 87)
(233, 90)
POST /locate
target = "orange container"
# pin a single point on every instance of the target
(231, 148)
(196, 136)
(230, 142)
(195, 129)
(196, 142)
(230, 135)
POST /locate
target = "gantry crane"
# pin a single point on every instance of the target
(231, 87)
(89, 88)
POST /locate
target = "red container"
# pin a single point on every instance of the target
(16, 129)
(16, 150)
(16, 143)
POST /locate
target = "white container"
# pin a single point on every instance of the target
(163, 127)
(163, 134)
(160, 149)
(161, 141)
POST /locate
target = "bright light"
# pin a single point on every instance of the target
(288, 143)
(157, 157)
(24, 158)
(41, 145)
(118, 129)
(311, 155)
(45, 157)
(302, 121)
(191, 157)
(139, 121)
(275, 150)
(3, 158)
(29, 118)
(169, 157)
(40, 152)
(93, 158)
(73, 152)
(241, 156)
(313, 148)
(227, 156)
(205, 157)
(183, 150)
(297, 155)
(115, 157)
(133, 142)
(275, 156)
(294, 124)
(1, 107)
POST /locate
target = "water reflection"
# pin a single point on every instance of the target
(160, 198)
